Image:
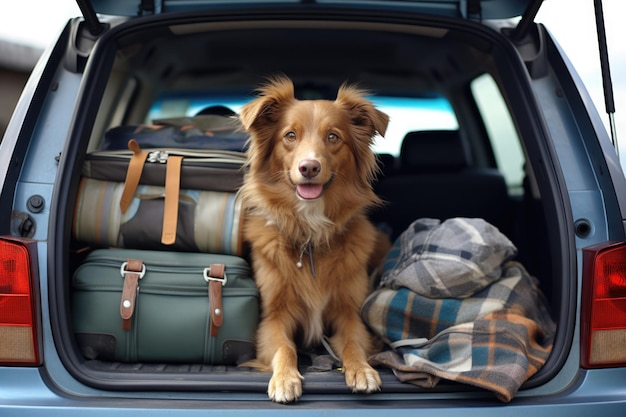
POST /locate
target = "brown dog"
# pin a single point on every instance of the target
(306, 193)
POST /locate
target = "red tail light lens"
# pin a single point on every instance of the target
(19, 302)
(603, 315)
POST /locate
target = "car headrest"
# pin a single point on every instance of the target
(386, 163)
(433, 151)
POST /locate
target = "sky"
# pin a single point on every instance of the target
(571, 22)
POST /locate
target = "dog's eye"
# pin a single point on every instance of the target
(290, 137)
(333, 138)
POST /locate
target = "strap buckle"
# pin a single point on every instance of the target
(123, 270)
(131, 274)
(207, 276)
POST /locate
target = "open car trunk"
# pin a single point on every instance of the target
(227, 54)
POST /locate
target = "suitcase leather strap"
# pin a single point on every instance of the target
(133, 174)
(172, 189)
(132, 271)
(216, 279)
(172, 197)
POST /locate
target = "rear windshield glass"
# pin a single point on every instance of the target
(405, 114)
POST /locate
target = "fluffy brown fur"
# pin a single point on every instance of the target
(307, 189)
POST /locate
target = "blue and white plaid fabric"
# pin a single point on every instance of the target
(453, 305)
(455, 259)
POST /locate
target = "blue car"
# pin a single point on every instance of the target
(488, 122)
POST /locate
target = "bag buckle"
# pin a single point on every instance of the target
(158, 157)
(123, 270)
(207, 276)
(215, 296)
(132, 271)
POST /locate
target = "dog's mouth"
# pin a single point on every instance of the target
(310, 191)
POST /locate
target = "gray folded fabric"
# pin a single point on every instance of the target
(456, 258)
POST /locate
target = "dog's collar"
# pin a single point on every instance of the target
(306, 247)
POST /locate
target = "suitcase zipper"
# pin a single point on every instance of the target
(199, 271)
(161, 155)
(157, 267)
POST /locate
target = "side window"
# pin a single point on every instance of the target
(409, 114)
(501, 130)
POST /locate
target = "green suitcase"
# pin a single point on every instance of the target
(166, 307)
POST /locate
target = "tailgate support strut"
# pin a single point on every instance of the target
(526, 21)
(607, 84)
(91, 19)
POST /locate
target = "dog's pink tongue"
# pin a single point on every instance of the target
(309, 191)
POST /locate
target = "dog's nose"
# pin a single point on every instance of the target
(309, 168)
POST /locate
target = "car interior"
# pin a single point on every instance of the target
(438, 172)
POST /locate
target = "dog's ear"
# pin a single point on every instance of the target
(364, 114)
(366, 121)
(278, 92)
(260, 108)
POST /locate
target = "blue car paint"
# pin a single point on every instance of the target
(50, 390)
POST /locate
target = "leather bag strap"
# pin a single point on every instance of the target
(216, 279)
(172, 197)
(132, 271)
(133, 174)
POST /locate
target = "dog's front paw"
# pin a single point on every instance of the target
(363, 379)
(285, 387)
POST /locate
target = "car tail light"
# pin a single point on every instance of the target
(603, 315)
(19, 302)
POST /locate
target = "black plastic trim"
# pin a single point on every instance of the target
(556, 205)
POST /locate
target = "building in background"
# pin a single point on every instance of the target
(16, 62)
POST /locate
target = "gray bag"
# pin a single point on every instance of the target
(167, 199)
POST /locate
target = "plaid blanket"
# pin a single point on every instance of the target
(453, 305)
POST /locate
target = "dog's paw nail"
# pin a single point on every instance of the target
(364, 380)
(285, 388)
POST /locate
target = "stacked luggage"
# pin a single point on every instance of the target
(165, 280)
